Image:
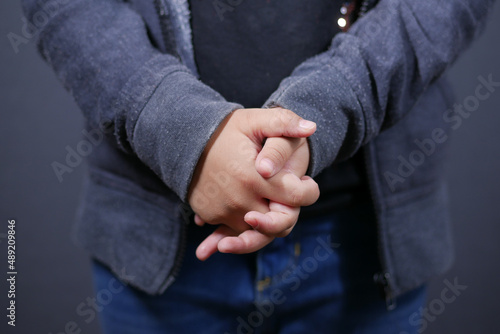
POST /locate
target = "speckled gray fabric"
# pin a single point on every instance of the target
(372, 76)
(376, 89)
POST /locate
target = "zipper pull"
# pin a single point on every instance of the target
(383, 282)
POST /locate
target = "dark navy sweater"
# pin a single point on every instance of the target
(245, 50)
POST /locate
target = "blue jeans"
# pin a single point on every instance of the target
(319, 279)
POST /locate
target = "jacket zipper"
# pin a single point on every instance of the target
(179, 258)
(383, 278)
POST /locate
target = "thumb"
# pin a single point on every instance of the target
(275, 154)
(277, 122)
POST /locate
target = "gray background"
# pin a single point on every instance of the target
(39, 119)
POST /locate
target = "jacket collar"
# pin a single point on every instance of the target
(177, 23)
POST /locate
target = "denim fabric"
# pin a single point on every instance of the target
(378, 86)
(316, 280)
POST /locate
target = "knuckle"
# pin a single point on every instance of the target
(281, 118)
(286, 232)
(248, 182)
(277, 153)
(232, 204)
(247, 242)
(286, 117)
(297, 196)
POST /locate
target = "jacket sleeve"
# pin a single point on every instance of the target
(372, 75)
(158, 110)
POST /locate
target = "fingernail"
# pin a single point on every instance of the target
(305, 124)
(252, 222)
(267, 165)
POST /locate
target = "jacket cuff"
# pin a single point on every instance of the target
(330, 105)
(174, 127)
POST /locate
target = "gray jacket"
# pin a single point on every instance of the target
(131, 70)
